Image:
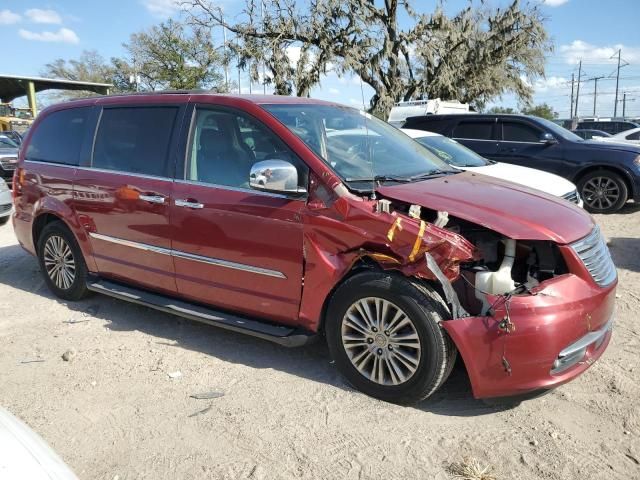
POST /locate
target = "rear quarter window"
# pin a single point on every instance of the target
(59, 136)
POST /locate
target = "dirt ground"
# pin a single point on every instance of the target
(113, 412)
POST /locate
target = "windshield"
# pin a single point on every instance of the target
(5, 111)
(6, 142)
(558, 130)
(452, 152)
(358, 146)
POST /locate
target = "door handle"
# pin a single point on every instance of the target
(152, 198)
(188, 204)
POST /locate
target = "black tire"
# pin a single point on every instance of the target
(77, 287)
(424, 309)
(603, 191)
(4, 220)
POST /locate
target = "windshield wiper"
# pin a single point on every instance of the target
(432, 173)
(381, 178)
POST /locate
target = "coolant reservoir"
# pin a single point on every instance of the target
(500, 281)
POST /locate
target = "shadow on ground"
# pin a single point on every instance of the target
(19, 270)
(625, 252)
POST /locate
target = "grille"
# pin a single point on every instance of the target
(595, 255)
(9, 163)
(5, 208)
(572, 197)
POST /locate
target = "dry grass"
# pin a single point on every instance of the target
(470, 469)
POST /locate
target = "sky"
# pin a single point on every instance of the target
(592, 30)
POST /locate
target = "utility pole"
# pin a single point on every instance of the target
(624, 103)
(578, 88)
(615, 105)
(573, 79)
(595, 92)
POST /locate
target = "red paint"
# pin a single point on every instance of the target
(315, 243)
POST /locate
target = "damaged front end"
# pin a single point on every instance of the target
(526, 314)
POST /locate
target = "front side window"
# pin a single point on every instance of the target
(357, 146)
(135, 140)
(474, 130)
(519, 132)
(59, 136)
(225, 144)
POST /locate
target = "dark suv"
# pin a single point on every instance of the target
(607, 174)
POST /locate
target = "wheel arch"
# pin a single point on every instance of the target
(626, 176)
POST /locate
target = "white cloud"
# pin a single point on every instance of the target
(588, 53)
(334, 91)
(542, 85)
(64, 35)
(555, 3)
(161, 8)
(37, 15)
(7, 17)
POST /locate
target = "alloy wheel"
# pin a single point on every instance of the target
(59, 262)
(381, 341)
(601, 192)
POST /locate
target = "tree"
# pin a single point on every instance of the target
(173, 56)
(543, 110)
(90, 66)
(473, 56)
(498, 110)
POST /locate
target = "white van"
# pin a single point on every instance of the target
(416, 108)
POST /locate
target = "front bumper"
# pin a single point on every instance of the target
(547, 325)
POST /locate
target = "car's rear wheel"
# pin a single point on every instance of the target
(384, 333)
(603, 191)
(62, 263)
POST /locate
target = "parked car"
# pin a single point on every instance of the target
(5, 202)
(609, 125)
(607, 174)
(8, 158)
(13, 136)
(628, 136)
(461, 157)
(590, 134)
(25, 455)
(396, 258)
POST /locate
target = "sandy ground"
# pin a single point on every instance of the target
(114, 412)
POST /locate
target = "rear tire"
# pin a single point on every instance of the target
(62, 263)
(384, 334)
(603, 191)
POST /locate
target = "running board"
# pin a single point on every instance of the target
(283, 335)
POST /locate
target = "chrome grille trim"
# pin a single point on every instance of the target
(595, 256)
(9, 163)
(572, 197)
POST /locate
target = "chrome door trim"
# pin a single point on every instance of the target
(128, 243)
(218, 262)
(227, 264)
(239, 189)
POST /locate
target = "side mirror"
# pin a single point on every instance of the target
(277, 176)
(548, 139)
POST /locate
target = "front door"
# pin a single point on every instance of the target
(123, 199)
(234, 247)
(520, 144)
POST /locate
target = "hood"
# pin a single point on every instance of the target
(9, 151)
(514, 211)
(610, 145)
(529, 177)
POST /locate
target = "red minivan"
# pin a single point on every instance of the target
(289, 219)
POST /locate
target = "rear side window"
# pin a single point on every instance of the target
(474, 130)
(59, 136)
(634, 136)
(519, 132)
(135, 139)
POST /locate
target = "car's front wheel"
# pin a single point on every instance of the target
(62, 263)
(603, 191)
(384, 334)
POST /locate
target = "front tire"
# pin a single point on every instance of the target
(384, 334)
(62, 263)
(603, 191)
